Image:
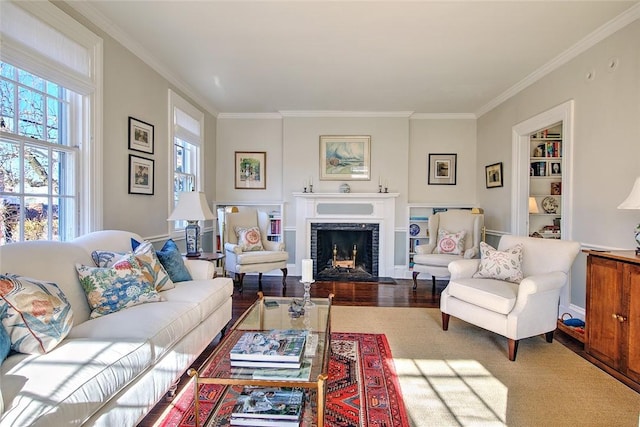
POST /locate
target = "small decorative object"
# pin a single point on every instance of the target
(414, 229)
(633, 202)
(296, 308)
(251, 170)
(140, 136)
(345, 158)
(442, 169)
(345, 188)
(556, 188)
(493, 175)
(555, 169)
(140, 175)
(549, 205)
(192, 207)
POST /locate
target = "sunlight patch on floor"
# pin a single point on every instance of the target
(451, 393)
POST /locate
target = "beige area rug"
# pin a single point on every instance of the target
(463, 377)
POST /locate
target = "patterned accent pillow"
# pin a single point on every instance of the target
(38, 315)
(111, 289)
(502, 265)
(249, 239)
(450, 243)
(146, 256)
(171, 259)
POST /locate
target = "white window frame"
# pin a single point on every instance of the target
(193, 136)
(22, 50)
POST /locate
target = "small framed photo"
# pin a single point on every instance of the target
(140, 136)
(140, 175)
(442, 169)
(555, 168)
(493, 174)
(345, 158)
(251, 170)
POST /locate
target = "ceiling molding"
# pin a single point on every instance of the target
(606, 30)
(328, 113)
(98, 19)
(250, 116)
(443, 116)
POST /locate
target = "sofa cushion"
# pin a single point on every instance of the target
(172, 261)
(37, 316)
(146, 256)
(502, 265)
(111, 289)
(450, 243)
(495, 295)
(70, 384)
(249, 239)
(208, 294)
(163, 324)
(260, 257)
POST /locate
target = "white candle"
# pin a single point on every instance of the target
(310, 180)
(380, 181)
(307, 270)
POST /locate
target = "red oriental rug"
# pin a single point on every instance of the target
(362, 389)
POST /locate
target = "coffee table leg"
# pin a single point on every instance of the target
(321, 392)
(194, 374)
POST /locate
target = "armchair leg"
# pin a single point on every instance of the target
(549, 336)
(240, 277)
(260, 281)
(284, 278)
(445, 321)
(433, 285)
(513, 349)
(415, 281)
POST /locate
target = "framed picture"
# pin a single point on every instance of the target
(555, 168)
(442, 169)
(251, 170)
(345, 158)
(140, 175)
(493, 174)
(140, 136)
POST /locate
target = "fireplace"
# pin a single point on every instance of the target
(345, 251)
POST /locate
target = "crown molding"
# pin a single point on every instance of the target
(330, 113)
(250, 116)
(443, 116)
(98, 19)
(604, 31)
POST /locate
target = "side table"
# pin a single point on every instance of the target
(215, 257)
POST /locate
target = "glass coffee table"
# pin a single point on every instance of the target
(265, 314)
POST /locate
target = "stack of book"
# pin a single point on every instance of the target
(278, 348)
(268, 406)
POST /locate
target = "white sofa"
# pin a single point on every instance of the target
(110, 370)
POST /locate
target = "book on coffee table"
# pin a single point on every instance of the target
(264, 364)
(278, 345)
(260, 422)
(269, 403)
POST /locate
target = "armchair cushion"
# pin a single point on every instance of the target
(501, 265)
(495, 295)
(450, 243)
(249, 239)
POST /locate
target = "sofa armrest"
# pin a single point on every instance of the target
(463, 268)
(541, 283)
(200, 269)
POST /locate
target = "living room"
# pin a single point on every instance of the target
(599, 72)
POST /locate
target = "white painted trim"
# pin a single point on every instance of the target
(389, 114)
(617, 23)
(443, 116)
(261, 116)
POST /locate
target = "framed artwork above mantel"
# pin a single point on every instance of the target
(345, 158)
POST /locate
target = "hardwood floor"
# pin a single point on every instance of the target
(399, 294)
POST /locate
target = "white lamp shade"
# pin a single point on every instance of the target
(533, 205)
(192, 206)
(633, 199)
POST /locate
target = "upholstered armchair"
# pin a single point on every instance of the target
(247, 248)
(513, 291)
(454, 234)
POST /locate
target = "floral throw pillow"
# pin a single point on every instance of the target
(146, 256)
(450, 243)
(110, 289)
(37, 315)
(502, 265)
(249, 239)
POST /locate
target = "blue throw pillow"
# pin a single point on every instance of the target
(5, 339)
(171, 259)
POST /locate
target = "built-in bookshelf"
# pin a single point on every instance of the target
(545, 182)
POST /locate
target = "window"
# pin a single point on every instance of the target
(49, 132)
(187, 135)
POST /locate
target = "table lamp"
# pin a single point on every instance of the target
(192, 207)
(633, 202)
(533, 206)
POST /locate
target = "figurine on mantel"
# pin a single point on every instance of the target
(345, 188)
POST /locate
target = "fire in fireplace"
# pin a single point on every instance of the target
(345, 251)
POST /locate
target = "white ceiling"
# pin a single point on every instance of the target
(446, 57)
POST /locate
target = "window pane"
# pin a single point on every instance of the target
(7, 70)
(7, 98)
(62, 173)
(53, 89)
(9, 167)
(65, 223)
(30, 80)
(36, 170)
(30, 113)
(9, 219)
(36, 219)
(53, 107)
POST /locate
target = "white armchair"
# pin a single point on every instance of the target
(248, 252)
(513, 310)
(429, 260)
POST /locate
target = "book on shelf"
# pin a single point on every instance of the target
(270, 403)
(278, 345)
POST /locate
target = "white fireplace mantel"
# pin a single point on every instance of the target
(375, 208)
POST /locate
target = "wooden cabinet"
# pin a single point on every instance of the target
(613, 314)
